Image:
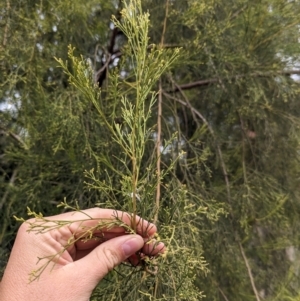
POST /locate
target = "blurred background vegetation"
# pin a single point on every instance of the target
(229, 106)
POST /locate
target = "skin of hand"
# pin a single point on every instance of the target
(74, 275)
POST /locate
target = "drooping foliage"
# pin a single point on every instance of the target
(189, 119)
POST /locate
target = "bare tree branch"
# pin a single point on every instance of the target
(103, 68)
(249, 272)
(211, 130)
(7, 24)
(186, 100)
(222, 293)
(159, 116)
(14, 136)
(206, 82)
(158, 153)
(224, 169)
(100, 75)
(10, 184)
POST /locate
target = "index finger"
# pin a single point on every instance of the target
(91, 218)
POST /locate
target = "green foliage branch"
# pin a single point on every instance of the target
(166, 278)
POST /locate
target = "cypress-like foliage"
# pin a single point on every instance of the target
(184, 112)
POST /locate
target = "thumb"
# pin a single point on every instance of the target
(106, 256)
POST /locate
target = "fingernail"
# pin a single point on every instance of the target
(132, 245)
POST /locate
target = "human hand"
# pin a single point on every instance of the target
(75, 273)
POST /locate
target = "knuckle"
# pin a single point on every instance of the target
(24, 227)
